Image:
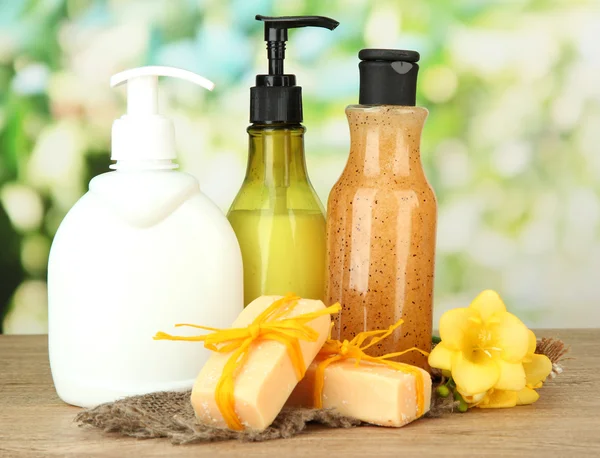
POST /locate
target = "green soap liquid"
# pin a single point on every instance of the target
(282, 252)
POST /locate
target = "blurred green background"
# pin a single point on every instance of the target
(511, 145)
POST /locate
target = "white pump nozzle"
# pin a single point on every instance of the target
(143, 134)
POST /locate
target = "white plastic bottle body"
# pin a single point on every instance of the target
(139, 253)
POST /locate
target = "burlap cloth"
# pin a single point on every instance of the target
(169, 414)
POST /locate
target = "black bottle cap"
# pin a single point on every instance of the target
(388, 77)
(276, 98)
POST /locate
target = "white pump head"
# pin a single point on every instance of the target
(143, 134)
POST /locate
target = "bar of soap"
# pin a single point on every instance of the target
(373, 393)
(267, 377)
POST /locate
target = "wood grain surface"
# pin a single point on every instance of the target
(564, 422)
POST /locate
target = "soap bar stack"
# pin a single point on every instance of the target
(268, 376)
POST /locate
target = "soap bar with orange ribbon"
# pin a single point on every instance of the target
(256, 364)
(376, 390)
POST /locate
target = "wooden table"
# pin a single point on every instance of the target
(564, 422)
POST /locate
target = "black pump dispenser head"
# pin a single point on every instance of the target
(276, 98)
(388, 77)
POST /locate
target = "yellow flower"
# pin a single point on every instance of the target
(484, 347)
(537, 368)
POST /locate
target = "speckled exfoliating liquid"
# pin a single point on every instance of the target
(381, 229)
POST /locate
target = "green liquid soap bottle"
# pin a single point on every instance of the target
(277, 216)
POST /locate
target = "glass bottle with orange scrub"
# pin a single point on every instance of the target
(382, 212)
(277, 216)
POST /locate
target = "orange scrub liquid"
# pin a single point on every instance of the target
(381, 229)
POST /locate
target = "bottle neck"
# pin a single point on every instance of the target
(385, 140)
(276, 154)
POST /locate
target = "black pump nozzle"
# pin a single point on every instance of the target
(276, 34)
(276, 98)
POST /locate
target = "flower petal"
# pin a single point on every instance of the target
(499, 399)
(527, 396)
(440, 357)
(474, 373)
(512, 376)
(455, 327)
(532, 342)
(487, 304)
(510, 336)
(537, 369)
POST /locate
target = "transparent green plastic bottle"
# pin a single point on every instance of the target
(278, 218)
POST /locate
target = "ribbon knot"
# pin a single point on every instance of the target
(344, 348)
(271, 324)
(334, 350)
(254, 331)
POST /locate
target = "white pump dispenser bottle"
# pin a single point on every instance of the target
(144, 249)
